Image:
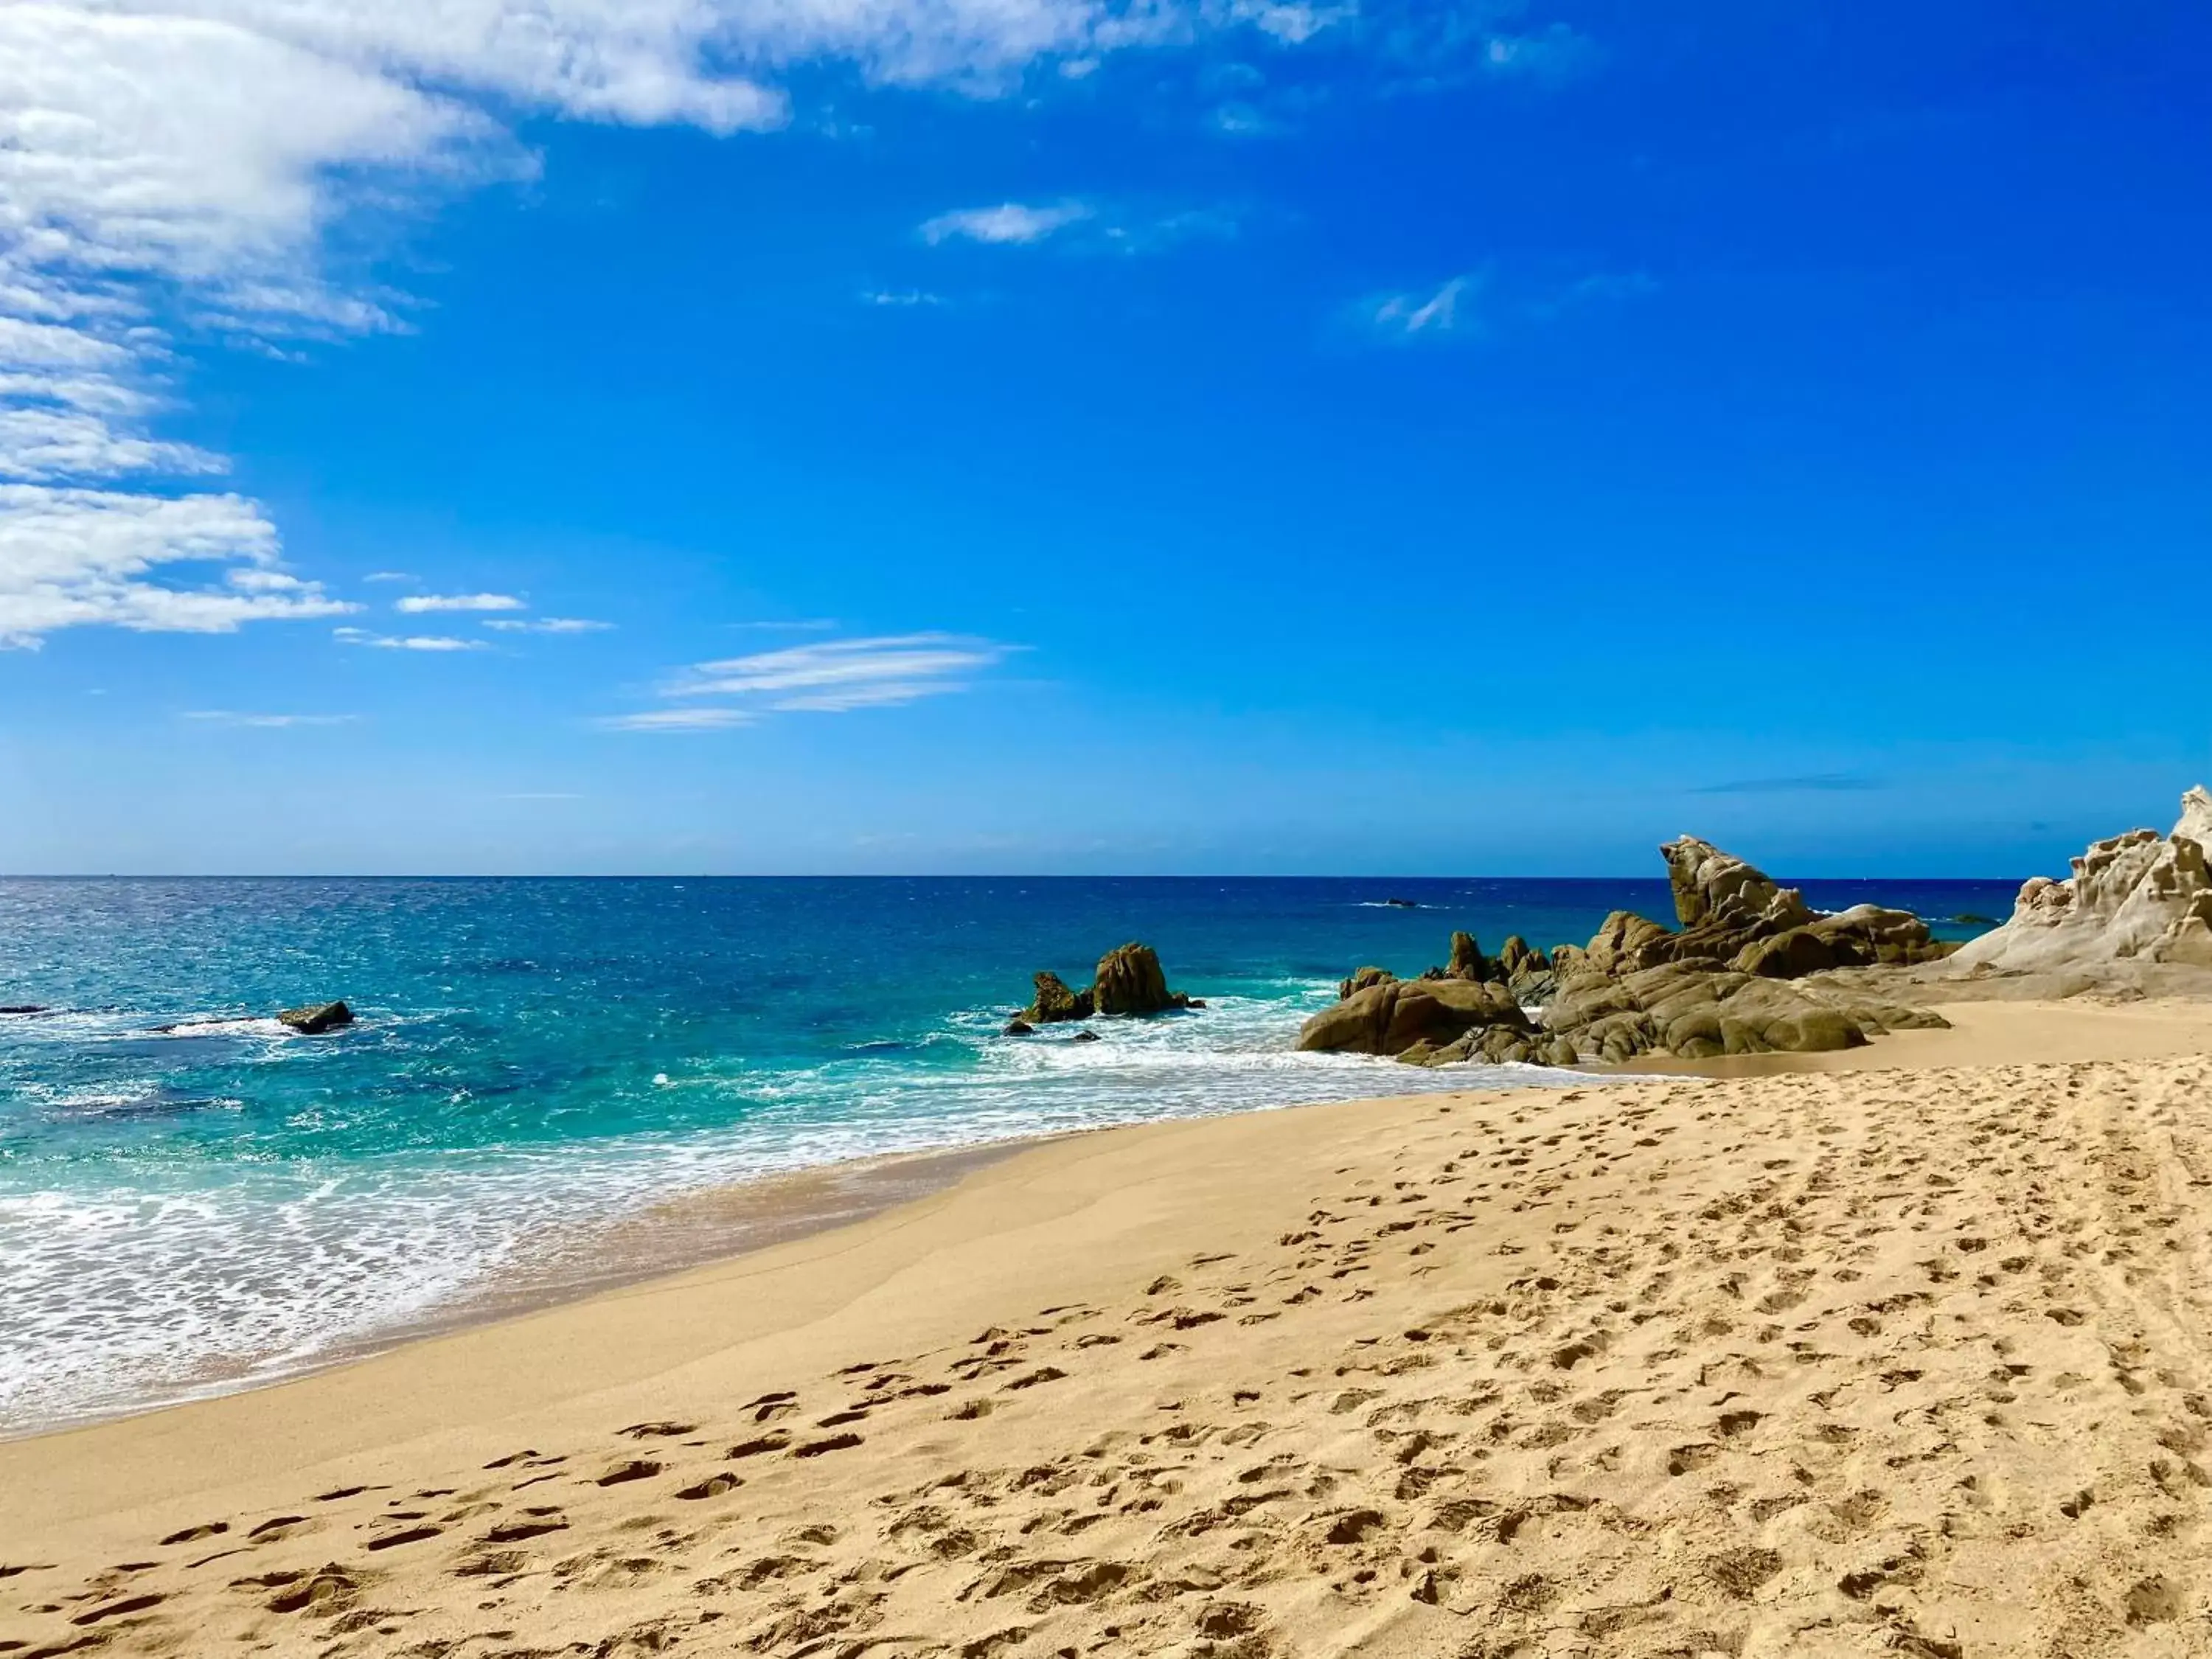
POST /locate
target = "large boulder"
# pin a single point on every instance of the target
(1056, 1003)
(2139, 894)
(1793, 954)
(1392, 1016)
(1130, 980)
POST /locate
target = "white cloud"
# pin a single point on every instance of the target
(391, 577)
(1484, 303)
(168, 161)
(1410, 316)
(72, 558)
(1008, 223)
(680, 720)
(902, 299)
(888, 695)
(231, 717)
(184, 161)
(407, 642)
(419, 603)
(894, 657)
(549, 625)
(835, 677)
(1293, 24)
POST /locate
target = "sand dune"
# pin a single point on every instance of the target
(1915, 1359)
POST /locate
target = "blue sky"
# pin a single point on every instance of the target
(1057, 435)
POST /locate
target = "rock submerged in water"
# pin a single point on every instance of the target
(317, 1017)
(1129, 980)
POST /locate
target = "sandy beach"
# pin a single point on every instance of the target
(1905, 1353)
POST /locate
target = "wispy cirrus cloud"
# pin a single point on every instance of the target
(548, 625)
(1008, 224)
(679, 719)
(1087, 227)
(269, 722)
(1408, 316)
(420, 603)
(432, 643)
(835, 677)
(1815, 783)
(1480, 304)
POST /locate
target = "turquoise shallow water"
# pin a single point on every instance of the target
(220, 1201)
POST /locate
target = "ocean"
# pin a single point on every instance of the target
(193, 1199)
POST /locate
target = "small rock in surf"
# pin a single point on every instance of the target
(317, 1017)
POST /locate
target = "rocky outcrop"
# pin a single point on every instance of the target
(2196, 817)
(317, 1017)
(2139, 897)
(1718, 890)
(1466, 961)
(1129, 980)
(1395, 1016)
(1361, 980)
(1056, 1002)
(1732, 979)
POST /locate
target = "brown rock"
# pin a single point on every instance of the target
(1361, 980)
(1719, 889)
(1466, 958)
(317, 1017)
(1391, 1018)
(1130, 980)
(1056, 1002)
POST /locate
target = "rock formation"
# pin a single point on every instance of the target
(1467, 961)
(2141, 896)
(1361, 980)
(1054, 1002)
(1713, 889)
(1129, 980)
(1713, 987)
(317, 1017)
(1395, 1016)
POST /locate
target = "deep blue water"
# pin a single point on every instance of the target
(188, 1209)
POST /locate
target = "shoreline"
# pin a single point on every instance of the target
(1072, 1373)
(671, 1236)
(702, 1229)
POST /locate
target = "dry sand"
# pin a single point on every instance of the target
(1910, 1355)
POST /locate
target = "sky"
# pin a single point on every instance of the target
(1212, 436)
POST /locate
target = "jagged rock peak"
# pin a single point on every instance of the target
(2196, 817)
(1716, 889)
